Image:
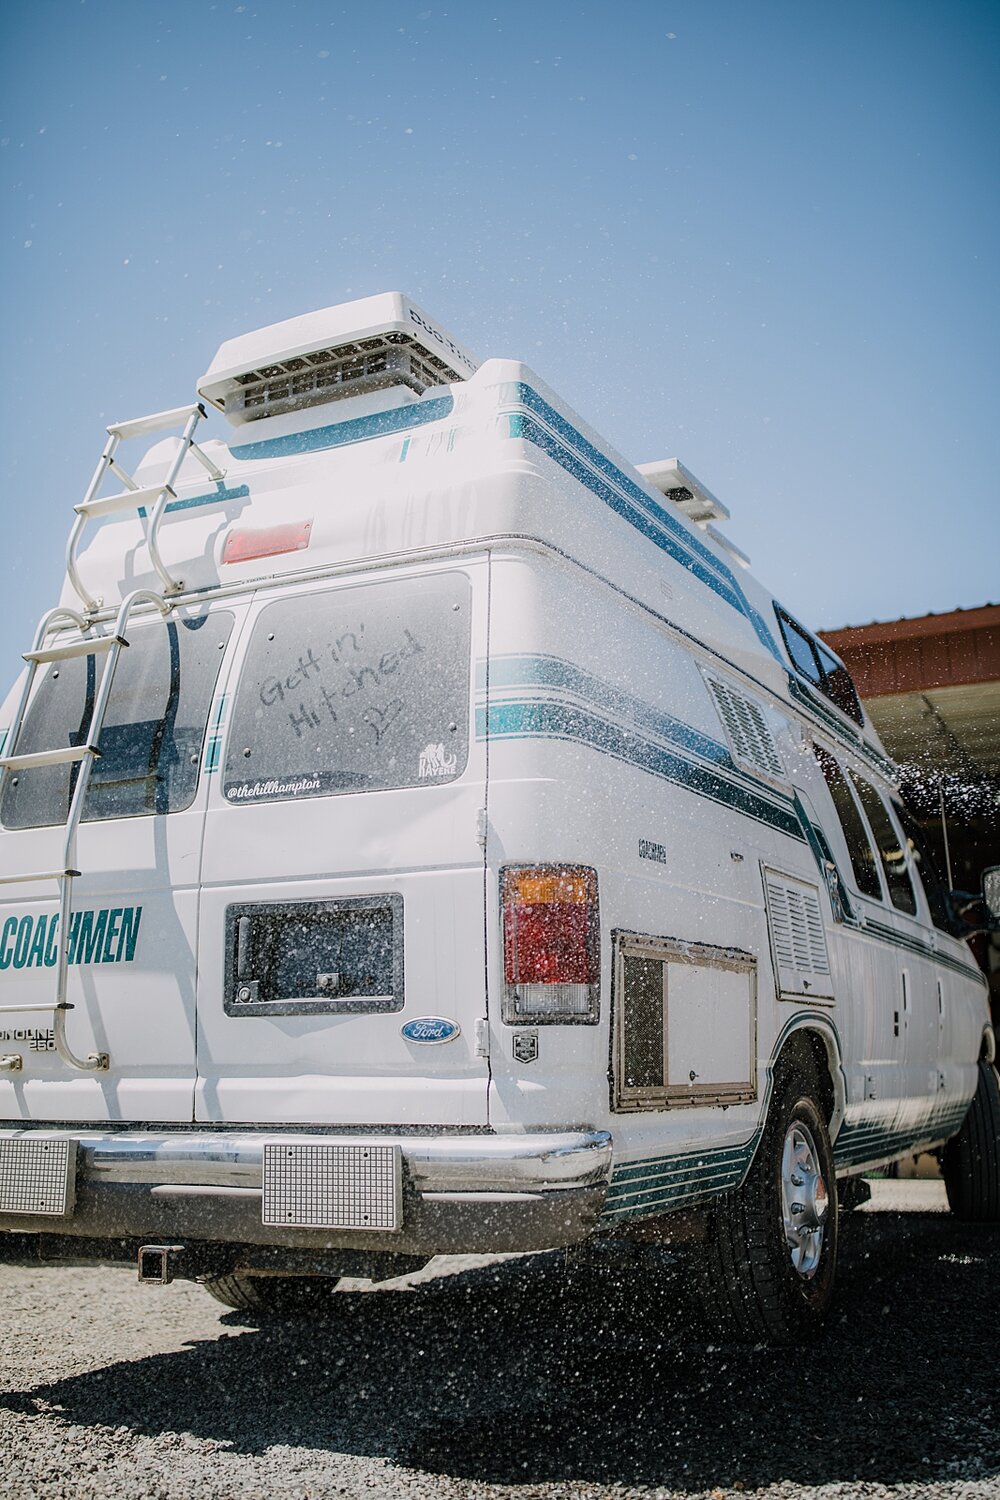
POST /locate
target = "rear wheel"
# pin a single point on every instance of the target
(970, 1164)
(293, 1296)
(772, 1253)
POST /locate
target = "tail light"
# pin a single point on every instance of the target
(551, 944)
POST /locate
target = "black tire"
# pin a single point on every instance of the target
(291, 1296)
(970, 1164)
(752, 1289)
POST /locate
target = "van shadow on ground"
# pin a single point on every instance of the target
(524, 1373)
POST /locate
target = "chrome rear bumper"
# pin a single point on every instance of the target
(460, 1193)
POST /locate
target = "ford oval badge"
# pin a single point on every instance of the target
(429, 1029)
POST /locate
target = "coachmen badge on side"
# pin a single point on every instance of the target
(525, 1046)
(430, 1029)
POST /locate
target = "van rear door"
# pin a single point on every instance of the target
(133, 930)
(342, 964)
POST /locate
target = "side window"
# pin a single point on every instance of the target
(838, 685)
(800, 648)
(820, 666)
(923, 861)
(858, 846)
(889, 846)
(154, 729)
(358, 689)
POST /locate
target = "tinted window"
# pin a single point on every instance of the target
(838, 685)
(153, 733)
(814, 661)
(858, 845)
(799, 648)
(889, 847)
(923, 860)
(354, 690)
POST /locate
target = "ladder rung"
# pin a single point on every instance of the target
(47, 758)
(97, 646)
(13, 1010)
(38, 875)
(156, 422)
(110, 505)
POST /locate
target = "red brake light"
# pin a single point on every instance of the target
(550, 925)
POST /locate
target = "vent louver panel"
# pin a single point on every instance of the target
(333, 374)
(798, 941)
(748, 730)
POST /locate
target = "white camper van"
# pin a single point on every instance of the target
(421, 833)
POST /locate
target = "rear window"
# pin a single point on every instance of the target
(153, 733)
(355, 689)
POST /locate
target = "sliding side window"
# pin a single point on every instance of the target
(858, 846)
(889, 846)
(926, 868)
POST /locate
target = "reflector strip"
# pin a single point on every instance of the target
(244, 545)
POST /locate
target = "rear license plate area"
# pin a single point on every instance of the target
(311, 1185)
(37, 1176)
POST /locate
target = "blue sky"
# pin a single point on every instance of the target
(761, 237)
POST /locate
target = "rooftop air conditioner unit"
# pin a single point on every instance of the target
(325, 356)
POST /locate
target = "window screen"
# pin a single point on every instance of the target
(153, 732)
(889, 846)
(356, 689)
(858, 846)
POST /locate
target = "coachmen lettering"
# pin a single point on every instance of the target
(106, 936)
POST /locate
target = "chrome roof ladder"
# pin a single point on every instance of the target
(83, 755)
(136, 497)
(133, 497)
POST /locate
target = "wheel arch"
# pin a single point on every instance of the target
(810, 1043)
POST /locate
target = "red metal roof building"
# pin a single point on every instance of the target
(932, 688)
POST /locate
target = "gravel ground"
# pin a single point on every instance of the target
(515, 1378)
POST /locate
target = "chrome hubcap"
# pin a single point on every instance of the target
(804, 1199)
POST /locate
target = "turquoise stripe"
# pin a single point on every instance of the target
(357, 430)
(629, 500)
(216, 497)
(857, 1144)
(923, 950)
(539, 720)
(551, 671)
(663, 1183)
